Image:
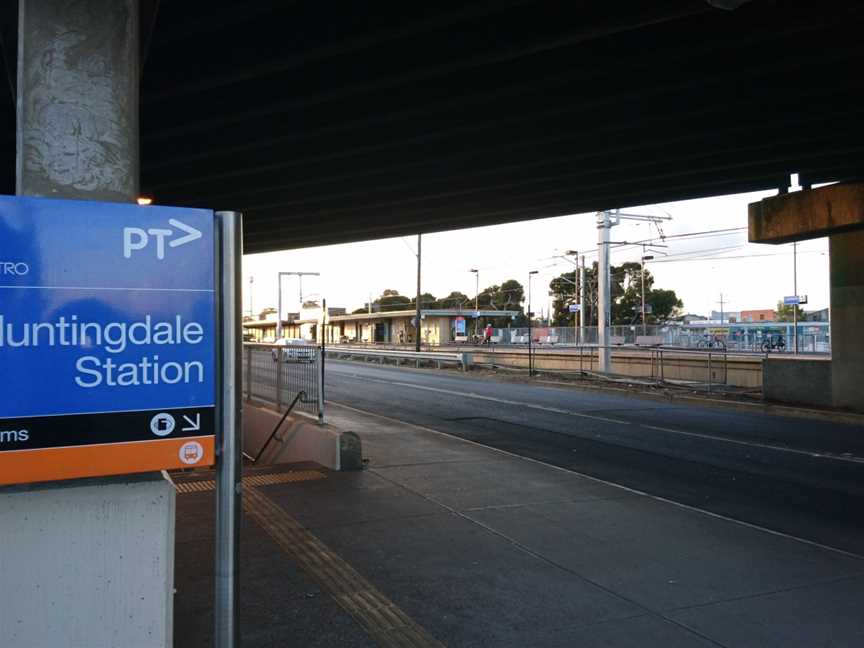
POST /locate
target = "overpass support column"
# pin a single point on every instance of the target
(836, 211)
(847, 319)
(78, 77)
(83, 562)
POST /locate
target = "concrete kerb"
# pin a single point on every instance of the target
(301, 438)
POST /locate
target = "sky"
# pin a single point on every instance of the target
(697, 268)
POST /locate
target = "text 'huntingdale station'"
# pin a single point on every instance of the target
(113, 338)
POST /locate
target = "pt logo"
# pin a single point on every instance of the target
(135, 238)
(162, 424)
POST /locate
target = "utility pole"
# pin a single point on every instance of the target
(642, 273)
(530, 334)
(300, 275)
(417, 315)
(721, 309)
(582, 291)
(795, 292)
(476, 301)
(578, 299)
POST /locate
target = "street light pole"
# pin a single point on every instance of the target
(795, 292)
(279, 299)
(251, 282)
(417, 309)
(530, 335)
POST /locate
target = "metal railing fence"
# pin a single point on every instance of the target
(701, 369)
(276, 374)
(812, 337)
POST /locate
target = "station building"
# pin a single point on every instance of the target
(438, 326)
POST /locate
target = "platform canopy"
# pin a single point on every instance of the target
(328, 122)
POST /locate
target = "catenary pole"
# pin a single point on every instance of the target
(604, 223)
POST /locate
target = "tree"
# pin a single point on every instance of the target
(391, 300)
(664, 305)
(455, 299)
(427, 300)
(786, 312)
(626, 292)
(507, 296)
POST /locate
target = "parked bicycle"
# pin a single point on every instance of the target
(773, 343)
(711, 342)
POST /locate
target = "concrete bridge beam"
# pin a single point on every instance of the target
(836, 211)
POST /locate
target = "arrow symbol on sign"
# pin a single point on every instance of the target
(192, 234)
(190, 425)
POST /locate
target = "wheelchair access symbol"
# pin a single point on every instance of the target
(162, 424)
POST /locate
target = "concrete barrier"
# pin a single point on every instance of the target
(299, 439)
(88, 562)
(798, 381)
(738, 371)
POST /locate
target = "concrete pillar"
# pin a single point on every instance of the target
(847, 314)
(84, 562)
(78, 78)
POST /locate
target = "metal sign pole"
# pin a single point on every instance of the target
(229, 429)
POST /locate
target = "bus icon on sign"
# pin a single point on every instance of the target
(191, 453)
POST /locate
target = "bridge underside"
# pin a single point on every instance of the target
(326, 124)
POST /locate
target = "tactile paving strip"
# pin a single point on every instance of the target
(388, 625)
(253, 480)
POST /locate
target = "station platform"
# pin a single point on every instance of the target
(441, 541)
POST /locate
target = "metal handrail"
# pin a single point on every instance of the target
(300, 395)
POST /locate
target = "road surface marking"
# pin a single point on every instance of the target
(386, 623)
(557, 410)
(494, 399)
(658, 498)
(755, 444)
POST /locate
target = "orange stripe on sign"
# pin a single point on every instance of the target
(48, 464)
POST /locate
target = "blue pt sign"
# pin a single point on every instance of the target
(107, 338)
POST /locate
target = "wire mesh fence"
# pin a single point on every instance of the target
(276, 374)
(766, 338)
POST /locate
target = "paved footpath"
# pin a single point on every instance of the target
(442, 541)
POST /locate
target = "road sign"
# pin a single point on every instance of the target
(791, 300)
(107, 338)
(574, 308)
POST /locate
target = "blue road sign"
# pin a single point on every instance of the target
(108, 320)
(791, 300)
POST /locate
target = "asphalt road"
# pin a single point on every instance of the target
(795, 476)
